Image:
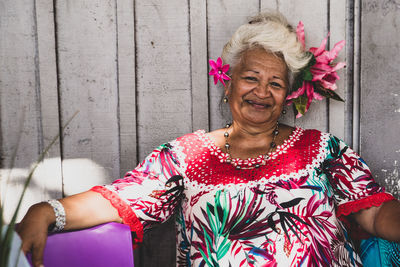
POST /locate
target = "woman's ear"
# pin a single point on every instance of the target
(227, 88)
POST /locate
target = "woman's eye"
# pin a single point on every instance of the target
(249, 78)
(275, 84)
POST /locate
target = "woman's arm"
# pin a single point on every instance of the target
(382, 221)
(82, 210)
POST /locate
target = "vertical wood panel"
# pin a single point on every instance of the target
(20, 103)
(47, 70)
(86, 35)
(224, 17)
(380, 100)
(163, 67)
(314, 15)
(199, 63)
(337, 28)
(20, 93)
(164, 98)
(126, 84)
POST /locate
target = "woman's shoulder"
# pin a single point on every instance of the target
(193, 142)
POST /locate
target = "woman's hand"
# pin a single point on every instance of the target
(33, 230)
(82, 210)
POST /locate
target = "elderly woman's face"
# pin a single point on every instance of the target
(258, 88)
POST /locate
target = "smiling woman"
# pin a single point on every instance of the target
(255, 193)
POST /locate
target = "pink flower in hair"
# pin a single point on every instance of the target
(318, 79)
(219, 71)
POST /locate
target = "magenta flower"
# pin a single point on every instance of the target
(318, 79)
(219, 71)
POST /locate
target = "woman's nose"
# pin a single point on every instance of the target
(263, 90)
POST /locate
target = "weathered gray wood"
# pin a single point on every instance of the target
(199, 63)
(337, 28)
(356, 77)
(314, 16)
(380, 100)
(350, 62)
(87, 56)
(49, 113)
(126, 85)
(21, 96)
(19, 84)
(224, 17)
(163, 72)
(164, 96)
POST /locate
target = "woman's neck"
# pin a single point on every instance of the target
(249, 142)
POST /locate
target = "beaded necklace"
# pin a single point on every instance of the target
(260, 160)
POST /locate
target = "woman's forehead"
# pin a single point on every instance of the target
(258, 59)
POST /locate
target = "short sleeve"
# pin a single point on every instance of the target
(148, 194)
(353, 185)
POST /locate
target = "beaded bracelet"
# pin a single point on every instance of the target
(59, 211)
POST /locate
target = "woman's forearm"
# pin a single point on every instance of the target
(387, 221)
(82, 210)
(88, 209)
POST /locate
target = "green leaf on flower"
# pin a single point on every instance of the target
(307, 75)
(300, 103)
(328, 93)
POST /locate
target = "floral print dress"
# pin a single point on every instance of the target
(284, 213)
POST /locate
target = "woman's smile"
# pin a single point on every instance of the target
(258, 104)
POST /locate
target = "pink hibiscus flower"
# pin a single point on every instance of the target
(319, 78)
(219, 71)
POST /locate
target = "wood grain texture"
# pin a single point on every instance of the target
(380, 94)
(224, 17)
(19, 81)
(126, 85)
(163, 72)
(87, 57)
(47, 69)
(199, 63)
(23, 128)
(337, 28)
(164, 97)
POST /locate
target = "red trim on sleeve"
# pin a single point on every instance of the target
(364, 203)
(124, 211)
(355, 230)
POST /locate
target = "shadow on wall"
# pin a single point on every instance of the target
(78, 175)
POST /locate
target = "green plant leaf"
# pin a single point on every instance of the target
(328, 93)
(300, 104)
(307, 75)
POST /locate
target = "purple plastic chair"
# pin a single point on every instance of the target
(104, 245)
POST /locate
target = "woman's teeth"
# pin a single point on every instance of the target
(257, 104)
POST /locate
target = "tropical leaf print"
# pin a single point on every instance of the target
(223, 223)
(287, 220)
(321, 232)
(183, 255)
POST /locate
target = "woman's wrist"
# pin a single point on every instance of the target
(59, 213)
(42, 212)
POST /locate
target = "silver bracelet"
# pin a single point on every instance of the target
(59, 211)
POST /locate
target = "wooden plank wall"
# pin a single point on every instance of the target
(136, 70)
(379, 90)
